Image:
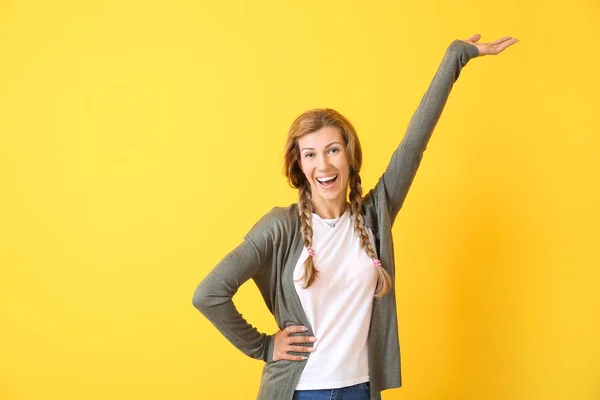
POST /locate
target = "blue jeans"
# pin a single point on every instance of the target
(355, 392)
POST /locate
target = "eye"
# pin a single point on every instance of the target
(335, 150)
(307, 155)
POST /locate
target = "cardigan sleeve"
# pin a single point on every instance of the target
(213, 296)
(400, 172)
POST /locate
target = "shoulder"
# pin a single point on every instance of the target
(276, 223)
(279, 217)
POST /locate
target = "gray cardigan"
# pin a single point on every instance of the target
(271, 249)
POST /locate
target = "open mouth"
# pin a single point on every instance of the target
(327, 182)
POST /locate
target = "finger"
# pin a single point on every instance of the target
(301, 349)
(504, 45)
(474, 38)
(501, 40)
(300, 339)
(295, 329)
(291, 357)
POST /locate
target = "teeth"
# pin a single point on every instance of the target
(326, 179)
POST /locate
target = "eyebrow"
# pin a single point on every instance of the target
(329, 145)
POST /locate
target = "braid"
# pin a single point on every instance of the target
(384, 281)
(306, 209)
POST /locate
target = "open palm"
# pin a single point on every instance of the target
(491, 48)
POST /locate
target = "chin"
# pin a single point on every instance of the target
(330, 196)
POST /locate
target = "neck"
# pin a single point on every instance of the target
(329, 210)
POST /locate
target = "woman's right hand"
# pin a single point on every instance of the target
(284, 343)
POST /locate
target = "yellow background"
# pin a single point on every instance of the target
(140, 140)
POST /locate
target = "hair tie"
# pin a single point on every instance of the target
(376, 263)
(311, 252)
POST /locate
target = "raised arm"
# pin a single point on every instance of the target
(405, 161)
(400, 172)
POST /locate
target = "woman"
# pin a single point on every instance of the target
(325, 266)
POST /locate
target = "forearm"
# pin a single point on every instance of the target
(430, 109)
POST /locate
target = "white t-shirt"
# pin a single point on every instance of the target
(338, 305)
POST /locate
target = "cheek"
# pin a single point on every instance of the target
(344, 167)
(305, 169)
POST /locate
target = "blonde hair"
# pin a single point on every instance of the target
(309, 122)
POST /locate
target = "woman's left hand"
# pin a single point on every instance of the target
(491, 48)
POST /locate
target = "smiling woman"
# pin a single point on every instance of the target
(325, 265)
(322, 155)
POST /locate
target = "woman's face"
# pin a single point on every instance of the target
(324, 161)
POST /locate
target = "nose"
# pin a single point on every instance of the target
(323, 163)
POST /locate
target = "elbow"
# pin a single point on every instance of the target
(210, 296)
(200, 299)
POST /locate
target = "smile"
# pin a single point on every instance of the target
(327, 181)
